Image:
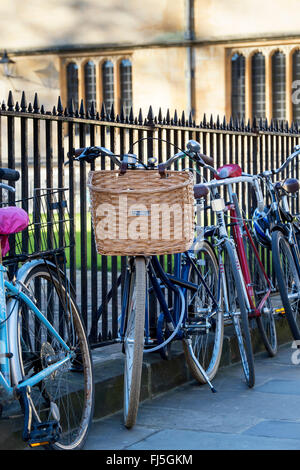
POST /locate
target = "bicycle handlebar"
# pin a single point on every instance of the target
(284, 165)
(9, 174)
(89, 154)
(245, 178)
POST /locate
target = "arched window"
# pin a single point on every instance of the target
(238, 86)
(108, 84)
(278, 86)
(296, 77)
(90, 84)
(72, 84)
(258, 86)
(126, 85)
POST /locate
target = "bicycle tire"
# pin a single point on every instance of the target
(241, 322)
(134, 342)
(68, 393)
(280, 249)
(266, 321)
(207, 343)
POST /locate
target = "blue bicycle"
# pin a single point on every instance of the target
(45, 356)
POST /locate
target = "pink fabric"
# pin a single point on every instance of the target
(12, 220)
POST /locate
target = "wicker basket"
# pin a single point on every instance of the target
(141, 213)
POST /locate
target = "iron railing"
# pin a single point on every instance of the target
(37, 143)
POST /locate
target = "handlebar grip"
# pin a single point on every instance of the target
(78, 152)
(208, 160)
(9, 174)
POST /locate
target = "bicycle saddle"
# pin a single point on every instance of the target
(200, 190)
(12, 220)
(290, 185)
(229, 171)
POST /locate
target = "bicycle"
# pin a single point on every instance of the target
(135, 334)
(197, 316)
(45, 356)
(278, 229)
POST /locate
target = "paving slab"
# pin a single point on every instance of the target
(190, 417)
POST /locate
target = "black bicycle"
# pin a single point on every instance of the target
(277, 228)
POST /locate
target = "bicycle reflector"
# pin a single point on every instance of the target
(280, 311)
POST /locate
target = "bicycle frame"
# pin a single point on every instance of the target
(161, 280)
(240, 231)
(8, 290)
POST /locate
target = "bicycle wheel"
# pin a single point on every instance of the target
(288, 280)
(67, 395)
(238, 311)
(134, 341)
(205, 326)
(266, 320)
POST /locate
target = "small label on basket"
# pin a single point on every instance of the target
(139, 213)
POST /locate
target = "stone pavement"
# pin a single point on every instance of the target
(191, 417)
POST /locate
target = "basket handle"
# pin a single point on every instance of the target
(161, 169)
(123, 168)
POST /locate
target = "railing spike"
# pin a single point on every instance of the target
(10, 101)
(224, 123)
(140, 119)
(266, 124)
(3, 106)
(71, 108)
(168, 117)
(183, 118)
(103, 112)
(54, 111)
(150, 117)
(30, 108)
(175, 119)
(190, 119)
(92, 110)
(159, 116)
(112, 113)
(81, 109)
(23, 102)
(131, 117)
(122, 114)
(60, 108)
(17, 107)
(36, 104)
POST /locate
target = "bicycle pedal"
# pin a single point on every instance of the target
(280, 312)
(44, 433)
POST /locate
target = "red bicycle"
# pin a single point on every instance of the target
(257, 286)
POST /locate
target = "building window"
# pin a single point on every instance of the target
(126, 85)
(258, 86)
(72, 84)
(278, 86)
(238, 86)
(90, 84)
(108, 84)
(296, 76)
